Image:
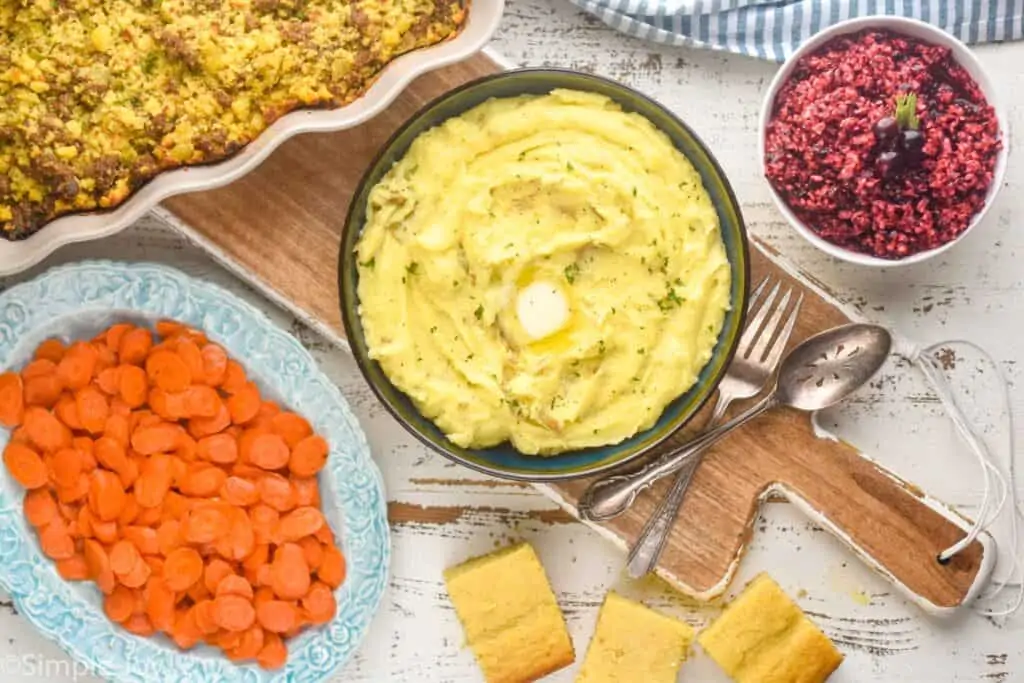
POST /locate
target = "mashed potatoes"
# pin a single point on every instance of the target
(545, 270)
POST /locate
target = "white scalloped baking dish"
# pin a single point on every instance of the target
(481, 22)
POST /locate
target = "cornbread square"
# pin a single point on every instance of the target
(510, 616)
(634, 643)
(763, 637)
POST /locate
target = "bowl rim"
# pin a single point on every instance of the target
(962, 54)
(348, 315)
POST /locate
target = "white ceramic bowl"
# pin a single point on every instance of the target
(914, 29)
(481, 22)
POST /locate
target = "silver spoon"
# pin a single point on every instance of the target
(820, 372)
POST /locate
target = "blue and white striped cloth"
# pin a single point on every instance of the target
(773, 29)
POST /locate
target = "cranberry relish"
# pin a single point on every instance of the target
(835, 154)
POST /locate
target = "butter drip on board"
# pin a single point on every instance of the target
(545, 270)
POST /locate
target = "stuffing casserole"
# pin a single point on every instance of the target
(98, 96)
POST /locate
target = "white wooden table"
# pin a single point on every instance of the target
(442, 514)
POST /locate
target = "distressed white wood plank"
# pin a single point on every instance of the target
(974, 291)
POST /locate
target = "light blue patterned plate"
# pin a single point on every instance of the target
(77, 301)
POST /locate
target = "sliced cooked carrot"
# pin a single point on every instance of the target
(257, 559)
(132, 385)
(85, 522)
(43, 390)
(119, 604)
(123, 557)
(51, 349)
(205, 524)
(109, 381)
(162, 437)
(12, 399)
(139, 624)
(149, 517)
(25, 465)
(274, 653)
(169, 406)
(215, 571)
(169, 328)
(66, 410)
(130, 472)
(190, 354)
(250, 645)
(309, 456)
(77, 491)
(240, 539)
(291, 427)
(307, 491)
(319, 603)
(67, 467)
(130, 512)
(168, 371)
(203, 480)
(39, 368)
(185, 633)
(115, 333)
(40, 507)
(187, 447)
(298, 523)
(332, 567)
(73, 568)
(239, 491)
(244, 404)
(235, 379)
(176, 506)
(106, 495)
(182, 569)
(264, 576)
(197, 592)
(203, 614)
(277, 492)
(55, 540)
(199, 427)
(154, 481)
(290, 573)
(106, 357)
(277, 616)
(227, 640)
(138, 576)
(233, 612)
(46, 431)
(264, 521)
(134, 346)
(233, 584)
(117, 429)
(110, 453)
(313, 551)
(215, 365)
(143, 538)
(265, 417)
(98, 564)
(168, 536)
(87, 447)
(93, 409)
(269, 451)
(217, 448)
(105, 532)
(77, 367)
(160, 601)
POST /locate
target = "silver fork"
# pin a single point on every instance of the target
(612, 495)
(757, 356)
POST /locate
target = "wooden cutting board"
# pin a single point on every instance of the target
(281, 226)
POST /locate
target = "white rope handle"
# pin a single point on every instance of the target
(993, 477)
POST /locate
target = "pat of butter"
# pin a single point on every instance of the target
(542, 309)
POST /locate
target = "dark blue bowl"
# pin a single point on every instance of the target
(504, 461)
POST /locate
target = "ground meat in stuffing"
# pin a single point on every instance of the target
(821, 147)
